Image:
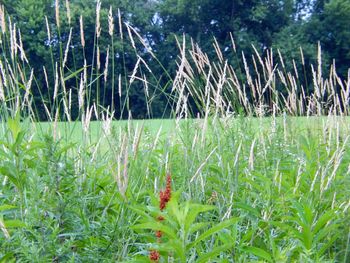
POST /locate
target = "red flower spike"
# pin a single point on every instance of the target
(165, 195)
(159, 234)
(160, 218)
(154, 255)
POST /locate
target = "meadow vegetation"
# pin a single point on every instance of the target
(253, 170)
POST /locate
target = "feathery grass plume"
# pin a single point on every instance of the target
(107, 122)
(319, 64)
(85, 72)
(233, 42)
(81, 92)
(3, 74)
(56, 133)
(122, 163)
(67, 48)
(64, 98)
(82, 38)
(13, 39)
(141, 39)
(281, 59)
(68, 12)
(98, 59)
(55, 90)
(197, 173)
(136, 140)
(218, 51)
(110, 22)
(295, 69)
(21, 49)
(27, 89)
(46, 78)
(297, 182)
(57, 13)
(95, 111)
(70, 102)
(302, 56)
(14, 35)
(66, 103)
(105, 72)
(48, 113)
(338, 157)
(120, 24)
(251, 155)
(98, 23)
(2, 93)
(132, 77)
(4, 229)
(48, 30)
(86, 118)
(2, 19)
(130, 35)
(120, 85)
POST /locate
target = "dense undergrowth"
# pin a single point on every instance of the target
(281, 191)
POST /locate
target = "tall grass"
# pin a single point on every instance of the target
(255, 182)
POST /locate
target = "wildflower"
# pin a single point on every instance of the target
(160, 218)
(154, 255)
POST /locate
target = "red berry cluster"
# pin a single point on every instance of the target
(164, 198)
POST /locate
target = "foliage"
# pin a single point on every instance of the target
(282, 198)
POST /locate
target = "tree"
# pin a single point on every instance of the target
(329, 24)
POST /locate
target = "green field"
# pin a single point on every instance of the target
(74, 131)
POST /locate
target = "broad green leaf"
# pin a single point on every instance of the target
(307, 237)
(195, 209)
(258, 252)
(248, 208)
(74, 74)
(323, 220)
(247, 236)
(65, 149)
(216, 251)
(176, 212)
(7, 207)
(141, 212)
(8, 258)
(14, 223)
(326, 231)
(214, 230)
(175, 245)
(14, 126)
(323, 249)
(228, 237)
(196, 226)
(287, 227)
